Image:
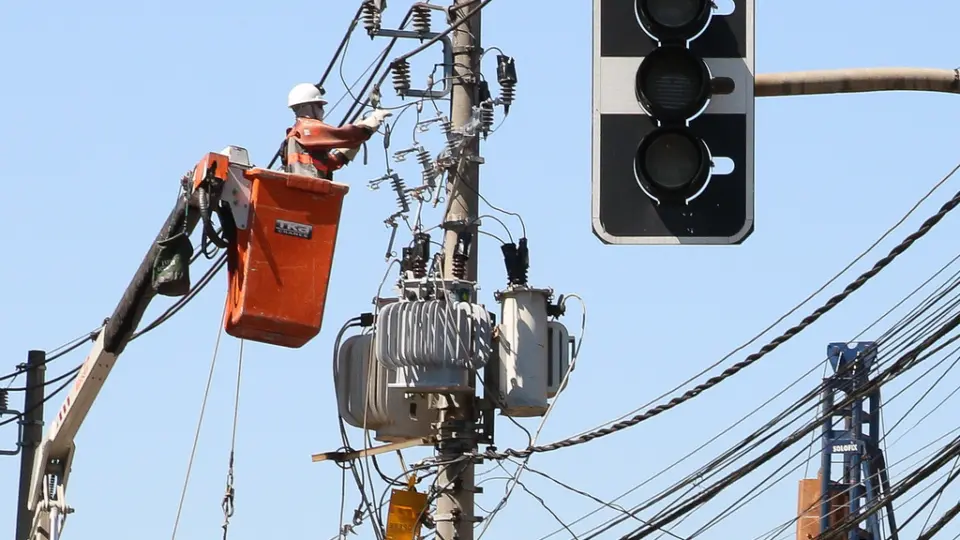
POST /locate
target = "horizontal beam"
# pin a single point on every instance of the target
(340, 457)
(858, 80)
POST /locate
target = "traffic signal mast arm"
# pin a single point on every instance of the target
(843, 81)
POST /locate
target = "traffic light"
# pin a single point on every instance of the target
(673, 121)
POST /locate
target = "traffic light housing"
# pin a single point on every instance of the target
(673, 109)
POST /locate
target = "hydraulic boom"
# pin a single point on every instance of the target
(279, 232)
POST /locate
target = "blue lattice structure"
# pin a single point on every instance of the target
(864, 477)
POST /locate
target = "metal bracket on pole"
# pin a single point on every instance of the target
(5, 410)
(447, 60)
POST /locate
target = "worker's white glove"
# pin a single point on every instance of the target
(376, 118)
(349, 153)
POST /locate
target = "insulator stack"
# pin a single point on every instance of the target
(400, 188)
(507, 79)
(371, 17)
(420, 255)
(419, 267)
(486, 117)
(461, 254)
(516, 259)
(401, 77)
(4, 400)
(453, 139)
(421, 19)
(425, 161)
(459, 265)
(508, 92)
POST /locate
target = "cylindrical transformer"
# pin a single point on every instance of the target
(523, 350)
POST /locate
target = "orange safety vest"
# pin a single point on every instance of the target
(309, 144)
(296, 154)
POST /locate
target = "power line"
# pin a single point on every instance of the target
(910, 337)
(766, 349)
(896, 329)
(906, 362)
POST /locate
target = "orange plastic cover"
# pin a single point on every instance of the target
(279, 267)
(808, 522)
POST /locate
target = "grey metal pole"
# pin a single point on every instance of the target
(455, 506)
(32, 422)
(843, 81)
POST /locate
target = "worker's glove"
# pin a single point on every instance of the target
(376, 118)
(349, 153)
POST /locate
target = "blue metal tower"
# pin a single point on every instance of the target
(865, 475)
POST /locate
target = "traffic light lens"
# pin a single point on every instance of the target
(674, 20)
(674, 14)
(672, 161)
(673, 84)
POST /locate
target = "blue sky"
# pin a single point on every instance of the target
(105, 105)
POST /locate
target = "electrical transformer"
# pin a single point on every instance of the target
(534, 353)
(434, 338)
(560, 346)
(394, 415)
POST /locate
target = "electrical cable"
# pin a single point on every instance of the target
(64, 349)
(48, 382)
(901, 365)
(343, 44)
(416, 51)
(741, 502)
(563, 385)
(796, 308)
(426, 44)
(196, 436)
(181, 302)
(610, 505)
(353, 466)
(46, 398)
(898, 326)
(751, 359)
(911, 295)
(951, 451)
(229, 494)
(778, 530)
(353, 113)
(935, 499)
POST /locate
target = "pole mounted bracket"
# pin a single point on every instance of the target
(456, 517)
(428, 93)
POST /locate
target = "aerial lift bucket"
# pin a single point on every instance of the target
(279, 266)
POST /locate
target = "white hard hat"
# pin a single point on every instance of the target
(305, 93)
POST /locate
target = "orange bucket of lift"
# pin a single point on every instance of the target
(279, 267)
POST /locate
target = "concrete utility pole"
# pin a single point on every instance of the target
(843, 81)
(32, 422)
(455, 506)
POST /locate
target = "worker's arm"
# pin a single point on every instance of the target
(316, 136)
(340, 156)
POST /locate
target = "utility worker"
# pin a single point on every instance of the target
(316, 149)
